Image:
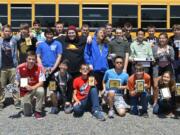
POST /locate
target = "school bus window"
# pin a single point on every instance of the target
(154, 15)
(20, 13)
(95, 15)
(124, 13)
(175, 15)
(3, 14)
(69, 14)
(45, 13)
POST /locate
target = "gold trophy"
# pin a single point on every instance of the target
(52, 86)
(114, 83)
(139, 86)
(178, 89)
(91, 81)
(28, 41)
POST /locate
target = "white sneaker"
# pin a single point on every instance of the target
(111, 113)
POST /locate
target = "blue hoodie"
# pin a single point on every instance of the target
(94, 57)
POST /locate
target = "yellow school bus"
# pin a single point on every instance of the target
(141, 13)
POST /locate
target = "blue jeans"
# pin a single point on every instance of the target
(91, 100)
(143, 99)
(163, 106)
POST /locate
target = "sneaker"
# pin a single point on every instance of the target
(144, 114)
(17, 105)
(1, 106)
(170, 115)
(111, 113)
(38, 115)
(99, 115)
(54, 110)
(27, 109)
(18, 115)
(68, 109)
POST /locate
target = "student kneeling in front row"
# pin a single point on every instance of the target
(114, 84)
(165, 103)
(30, 78)
(86, 96)
(139, 85)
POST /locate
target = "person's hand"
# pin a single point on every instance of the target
(89, 40)
(29, 88)
(52, 70)
(31, 35)
(155, 103)
(102, 92)
(91, 67)
(145, 86)
(152, 45)
(77, 103)
(133, 93)
(125, 70)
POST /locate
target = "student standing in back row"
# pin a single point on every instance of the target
(120, 47)
(8, 60)
(95, 55)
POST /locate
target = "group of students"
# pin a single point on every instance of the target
(78, 71)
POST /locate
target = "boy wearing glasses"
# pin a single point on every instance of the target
(86, 95)
(139, 86)
(114, 93)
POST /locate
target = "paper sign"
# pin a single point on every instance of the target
(165, 93)
(23, 82)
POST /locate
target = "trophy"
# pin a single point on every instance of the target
(23, 82)
(139, 86)
(28, 41)
(91, 81)
(178, 89)
(165, 93)
(114, 83)
(52, 86)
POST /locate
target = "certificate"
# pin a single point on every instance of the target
(114, 83)
(178, 89)
(139, 86)
(144, 61)
(28, 41)
(91, 81)
(23, 82)
(52, 86)
(165, 93)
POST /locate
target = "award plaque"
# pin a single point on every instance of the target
(139, 86)
(114, 83)
(178, 89)
(52, 85)
(23, 82)
(144, 61)
(28, 41)
(91, 81)
(165, 93)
